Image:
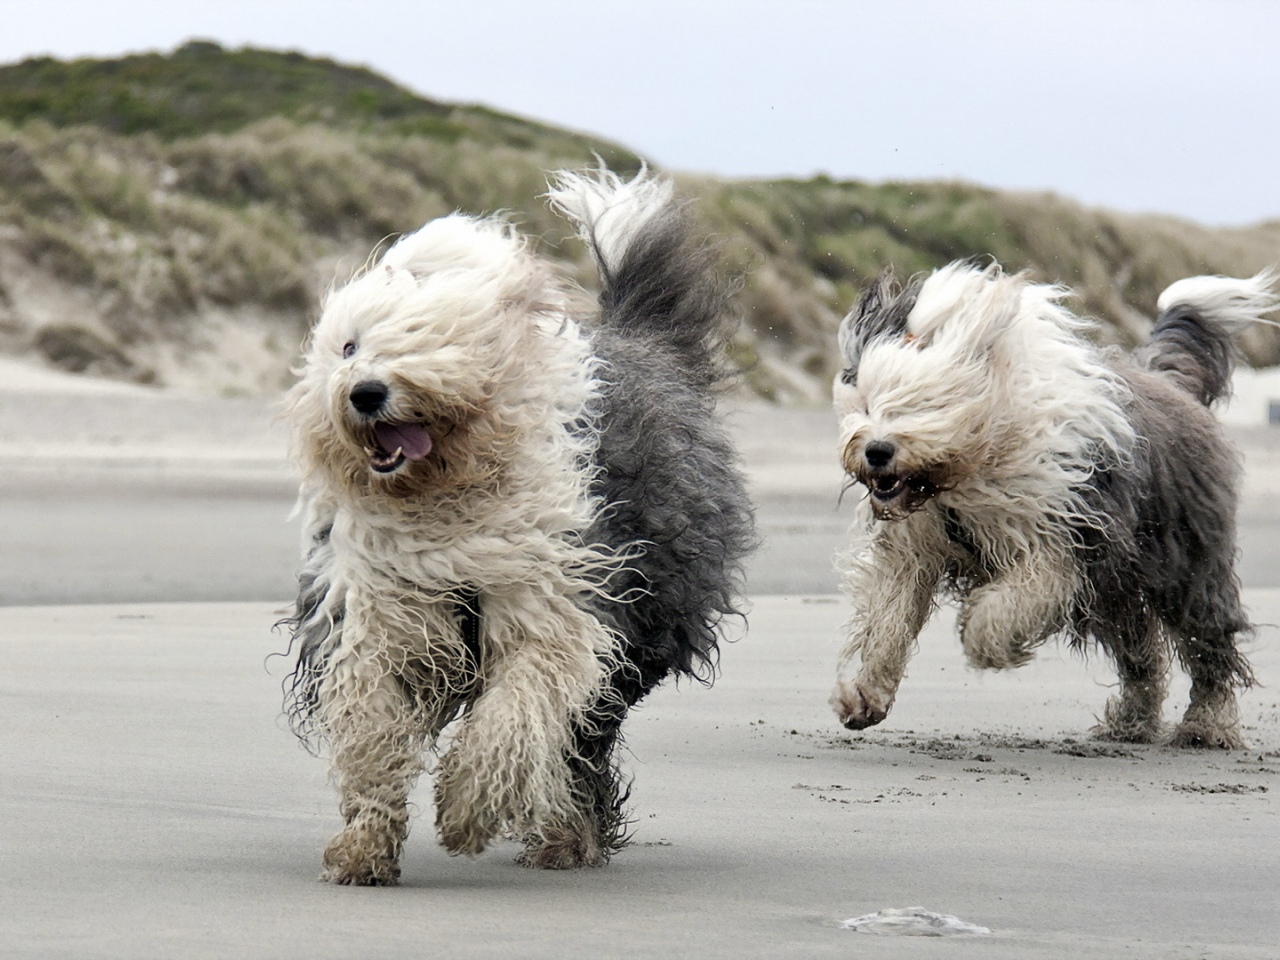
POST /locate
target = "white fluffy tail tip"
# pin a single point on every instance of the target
(1225, 299)
(607, 210)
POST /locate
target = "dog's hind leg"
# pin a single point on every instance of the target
(1202, 611)
(1133, 716)
(376, 739)
(1216, 668)
(892, 587)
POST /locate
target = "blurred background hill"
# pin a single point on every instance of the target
(176, 219)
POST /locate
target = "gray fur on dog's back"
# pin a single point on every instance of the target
(669, 474)
(1168, 551)
(670, 495)
(1166, 554)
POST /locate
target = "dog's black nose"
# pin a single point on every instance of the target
(878, 453)
(368, 396)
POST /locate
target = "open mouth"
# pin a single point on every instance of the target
(395, 444)
(896, 495)
(887, 487)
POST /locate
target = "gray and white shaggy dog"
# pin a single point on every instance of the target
(1051, 487)
(517, 517)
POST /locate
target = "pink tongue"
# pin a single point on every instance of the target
(412, 438)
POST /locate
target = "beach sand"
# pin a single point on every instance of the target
(155, 804)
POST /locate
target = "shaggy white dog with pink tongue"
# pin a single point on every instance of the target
(519, 517)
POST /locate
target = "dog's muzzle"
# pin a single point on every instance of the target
(393, 443)
(895, 493)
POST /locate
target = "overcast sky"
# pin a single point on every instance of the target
(1144, 105)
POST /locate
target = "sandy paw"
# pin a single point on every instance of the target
(860, 706)
(463, 836)
(354, 868)
(1206, 736)
(992, 637)
(562, 853)
(1125, 722)
(989, 650)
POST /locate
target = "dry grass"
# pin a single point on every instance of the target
(807, 247)
(165, 239)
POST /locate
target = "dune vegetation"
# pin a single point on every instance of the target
(177, 218)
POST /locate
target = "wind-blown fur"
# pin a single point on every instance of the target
(1052, 488)
(512, 520)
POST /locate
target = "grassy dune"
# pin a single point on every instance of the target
(177, 219)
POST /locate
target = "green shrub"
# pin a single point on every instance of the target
(212, 184)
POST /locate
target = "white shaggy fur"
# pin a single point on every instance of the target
(472, 336)
(1230, 300)
(996, 443)
(1018, 439)
(608, 211)
(513, 524)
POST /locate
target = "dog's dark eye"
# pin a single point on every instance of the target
(348, 349)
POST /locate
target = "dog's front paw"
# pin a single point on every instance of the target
(858, 705)
(1001, 628)
(989, 647)
(465, 840)
(358, 859)
(462, 831)
(564, 851)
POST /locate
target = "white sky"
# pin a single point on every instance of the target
(1143, 105)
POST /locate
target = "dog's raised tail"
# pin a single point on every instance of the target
(656, 282)
(1192, 339)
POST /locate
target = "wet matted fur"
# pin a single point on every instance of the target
(515, 517)
(1051, 487)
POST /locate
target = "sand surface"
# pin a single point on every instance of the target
(154, 805)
